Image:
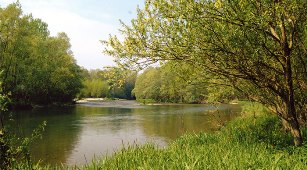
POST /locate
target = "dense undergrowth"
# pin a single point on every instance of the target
(253, 141)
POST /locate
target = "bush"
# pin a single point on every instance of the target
(14, 150)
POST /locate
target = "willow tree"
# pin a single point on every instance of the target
(258, 47)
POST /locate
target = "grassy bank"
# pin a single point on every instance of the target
(253, 141)
(246, 143)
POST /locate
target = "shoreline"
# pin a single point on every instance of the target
(103, 102)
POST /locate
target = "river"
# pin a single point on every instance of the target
(77, 134)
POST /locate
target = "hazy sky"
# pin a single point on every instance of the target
(85, 22)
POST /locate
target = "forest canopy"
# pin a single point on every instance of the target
(36, 68)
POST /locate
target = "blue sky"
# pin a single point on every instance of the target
(85, 21)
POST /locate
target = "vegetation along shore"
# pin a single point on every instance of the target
(249, 52)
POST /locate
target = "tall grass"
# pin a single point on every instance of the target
(246, 143)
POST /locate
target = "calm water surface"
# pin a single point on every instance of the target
(75, 135)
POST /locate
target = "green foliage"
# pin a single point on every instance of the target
(257, 47)
(146, 101)
(94, 84)
(172, 82)
(94, 88)
(14, 150)
(121, 82)
(147, 85)
(253, 109)
(220, 91)
(4, 99)
(37, 68)
(111, 83)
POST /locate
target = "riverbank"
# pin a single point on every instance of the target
(105, 102)
(246, 143)
(102, 102)
(254, 141)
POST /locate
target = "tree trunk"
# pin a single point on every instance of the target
(292, 119)
(289, 98)
(294, 128)
(291, 114)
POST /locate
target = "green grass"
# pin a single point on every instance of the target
(253, 109)
(256, 141)
(246, 143)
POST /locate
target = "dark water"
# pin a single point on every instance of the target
(75, 135)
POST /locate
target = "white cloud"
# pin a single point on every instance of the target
(84, 34)
(84, 21)
(83, 31)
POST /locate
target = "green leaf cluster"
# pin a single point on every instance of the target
(173, 82)
(14, 150)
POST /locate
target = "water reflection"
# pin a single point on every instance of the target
(171, 122)
(60, 134)
(75, 135)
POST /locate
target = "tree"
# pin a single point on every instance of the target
(147, 85)
(4, 159)
(257, 47)
(121, 82)
(14, 150)
(95, 84)
(37, 68)
(111, 82)
(173, 82)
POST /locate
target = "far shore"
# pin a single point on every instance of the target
(103, 102)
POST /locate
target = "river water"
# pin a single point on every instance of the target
(77, 134)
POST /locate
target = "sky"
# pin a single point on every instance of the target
(86, 22)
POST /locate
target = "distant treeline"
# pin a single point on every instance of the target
(177, 82)
(108, 83)
(171, 82)
(36, 68)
